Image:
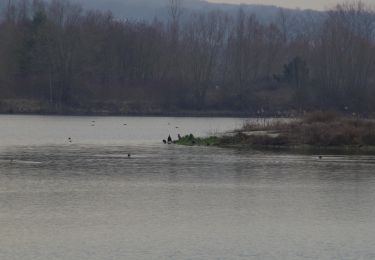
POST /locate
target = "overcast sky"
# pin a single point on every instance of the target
(303, 4)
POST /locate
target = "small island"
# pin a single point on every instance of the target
(319, 130)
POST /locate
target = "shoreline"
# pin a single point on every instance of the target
(36, 107)
(300, 149)
(146, 114)
(322, 132)
(182, 114)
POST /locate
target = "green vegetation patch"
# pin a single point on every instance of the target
(190, 140)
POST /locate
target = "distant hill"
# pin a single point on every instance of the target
(149, 9)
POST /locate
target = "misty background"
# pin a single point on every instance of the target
(149, 9)
(164, 57)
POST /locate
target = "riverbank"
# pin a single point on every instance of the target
(124, 108)
(36, 107)
(328, 131)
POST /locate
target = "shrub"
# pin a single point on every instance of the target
(321, 117)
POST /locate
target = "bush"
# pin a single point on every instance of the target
(321, 117)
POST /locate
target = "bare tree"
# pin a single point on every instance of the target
(346, 58)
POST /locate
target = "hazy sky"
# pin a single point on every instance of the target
(303, 4)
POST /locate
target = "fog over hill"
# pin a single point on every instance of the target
(149, 9)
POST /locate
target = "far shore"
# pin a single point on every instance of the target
(215, 114)
(34, 107)
(182, 114)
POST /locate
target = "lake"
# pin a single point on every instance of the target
(85, 199)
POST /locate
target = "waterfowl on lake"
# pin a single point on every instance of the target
(165, 141)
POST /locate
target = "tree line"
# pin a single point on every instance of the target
(59, 54)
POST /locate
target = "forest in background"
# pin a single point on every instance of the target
(56, 57)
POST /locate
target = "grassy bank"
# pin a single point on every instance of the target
(316, 130)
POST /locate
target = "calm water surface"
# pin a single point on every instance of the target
(87, 200)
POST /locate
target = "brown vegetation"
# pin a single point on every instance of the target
(316, 129)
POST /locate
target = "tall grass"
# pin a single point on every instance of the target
(319, 129)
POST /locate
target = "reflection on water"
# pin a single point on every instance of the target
(89, 201)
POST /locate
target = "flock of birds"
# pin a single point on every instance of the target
(168, 141)
(165, 141)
